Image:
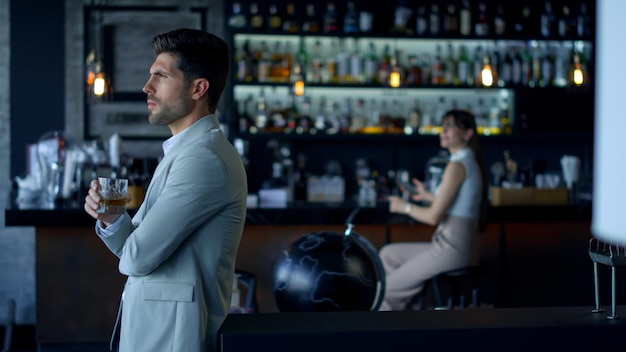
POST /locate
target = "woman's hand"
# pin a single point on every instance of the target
(399, 205)
(421, 193)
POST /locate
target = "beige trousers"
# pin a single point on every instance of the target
(455, 244)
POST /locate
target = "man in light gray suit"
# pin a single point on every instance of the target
(179, 250)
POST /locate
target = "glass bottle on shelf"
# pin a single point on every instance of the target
(499, 20)
(343, 63)
(350, 20)
(237, 19)
(261, 117)
(465, 18)
(358, 121)
(384, 68)
(311, 23)
(421, 22)
(434, 20)
(274, 20)
(356, 64)
(290, 22)
(332, 74)
(366, 19)
(414, 75)
(547, 20)
(437, 70)
(482, 20)
(305, 122)
(401, 16)
(451, 19)
(257, 21)
(583, 22)
(565, 21)
(415, 118)
(277, 118)
(331, 20)
(463, 67)
(265, 63)
(302, 62)
(450, 68)
(317, 65)
(371, 65)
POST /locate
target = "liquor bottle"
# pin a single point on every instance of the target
(292, 116)
(565, 21)
(547, 68)
(286, 63)
(356, 65)
(414, 74)
(261, 117)
(317, 66)
(583, 22)
(516, 67)
(421, 22)
(331, 19)
(371, 65)
(256, 20)
(350, 20)
(499, 21)
(311, 23)
(415, 118)
(401, 18)
(300, 178)
(243, 118)
(506, 71)
(560, 68)
(478, 66)
(237, 19)
(277, 118)
(343, 63)
(482, 20)
(465, 18)
(319, 123)
(276, 71)
(547, 20)
(265, 63)
(290, 22)
(536, 68)
(274, 20)
(426, 66)
(384, 68)
(366, 19)
(437, 71)
(345, 115)
(305, 123)
(358, 121)
(450, 75)
(451, 19)
(434, 20)
(332, 74)
(302, 62)
(463, 67)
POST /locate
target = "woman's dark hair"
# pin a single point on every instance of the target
(466, 121)
(200, 55)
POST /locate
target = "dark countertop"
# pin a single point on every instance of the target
(314, 213)
(511, 329)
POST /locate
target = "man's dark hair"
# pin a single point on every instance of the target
(200, 55)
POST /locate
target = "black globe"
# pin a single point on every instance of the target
(325, 271)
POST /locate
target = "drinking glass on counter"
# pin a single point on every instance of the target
(114, 192)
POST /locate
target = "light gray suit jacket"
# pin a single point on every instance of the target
(179, 250)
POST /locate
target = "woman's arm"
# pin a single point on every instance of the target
(453, 177)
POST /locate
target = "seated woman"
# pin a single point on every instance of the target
(458, 208)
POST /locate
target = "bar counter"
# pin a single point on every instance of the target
(314, 213)
(535, 255)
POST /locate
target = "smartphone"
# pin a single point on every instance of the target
(408, 186)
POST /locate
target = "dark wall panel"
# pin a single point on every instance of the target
(37, 60)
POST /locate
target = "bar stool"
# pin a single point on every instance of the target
(611, 255)
(451, 278)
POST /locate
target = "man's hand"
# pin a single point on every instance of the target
(92, 203)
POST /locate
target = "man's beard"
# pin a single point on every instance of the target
(168, 113)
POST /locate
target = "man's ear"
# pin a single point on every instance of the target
(200, 88)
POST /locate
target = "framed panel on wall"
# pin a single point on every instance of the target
(121, 37)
